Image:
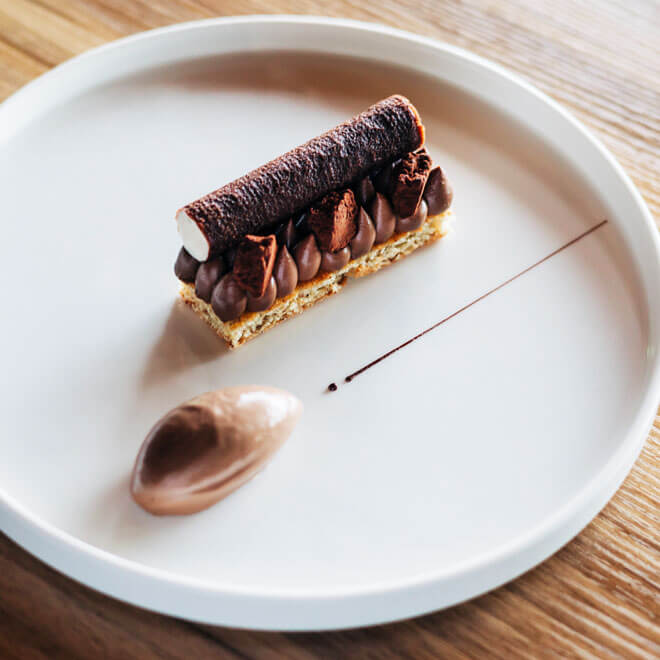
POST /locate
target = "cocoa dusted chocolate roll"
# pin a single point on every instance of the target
(218, 221)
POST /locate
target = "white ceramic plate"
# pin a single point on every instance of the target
(451, 467)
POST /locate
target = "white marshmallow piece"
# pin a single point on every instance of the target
(192, 236)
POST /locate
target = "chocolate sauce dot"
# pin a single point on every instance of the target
(332, 387)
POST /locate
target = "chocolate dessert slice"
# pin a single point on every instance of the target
(290, 233)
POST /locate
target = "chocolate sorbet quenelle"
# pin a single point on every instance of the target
(204, 449)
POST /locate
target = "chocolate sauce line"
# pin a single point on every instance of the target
(373, 363)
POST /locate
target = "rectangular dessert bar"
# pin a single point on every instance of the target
(265, 247)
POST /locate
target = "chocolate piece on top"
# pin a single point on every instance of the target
(253, 265)
(333, 220)
(218, 221)
(408, 180)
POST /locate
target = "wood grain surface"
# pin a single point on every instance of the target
(597, 597)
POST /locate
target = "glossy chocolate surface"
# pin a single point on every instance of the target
(204, 449)
(308, 258)
(331, 261)
(228, 299)
(185, 266)
(365, 238)
(208, 275)
(438, 193)
(415, 221)
(285, 272)
(383, 218)
(260, 303)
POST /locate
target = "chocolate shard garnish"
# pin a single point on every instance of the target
(407, 183)
(332, 220)
(218, 221)
(253, 265)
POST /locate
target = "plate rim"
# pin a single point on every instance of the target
(63, 551)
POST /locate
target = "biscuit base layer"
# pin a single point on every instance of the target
(306, 294)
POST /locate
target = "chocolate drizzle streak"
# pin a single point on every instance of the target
(373, 363)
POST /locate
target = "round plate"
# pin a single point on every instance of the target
(447, 469)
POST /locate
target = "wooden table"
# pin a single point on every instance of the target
(600, 595)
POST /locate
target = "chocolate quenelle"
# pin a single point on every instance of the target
(206, 448)
(218, 221)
